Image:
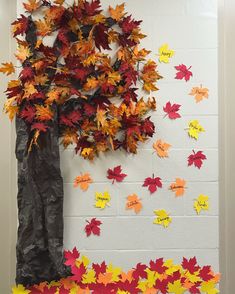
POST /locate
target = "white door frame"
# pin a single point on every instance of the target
(227, 143)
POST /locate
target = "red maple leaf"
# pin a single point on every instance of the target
(20, 26)
(81, 73)
(93, 227)
(39, 126)
(89, 109)
(92, 8)
(26, 73)
(196, 159)
(152, 184)
(71, 256)
(205, 273)
(63, 290)
(190, 265)
(116, 174)
(172, 110)
(51, 290)
(28, 113)
(194, 289)
(70, 119)
(183, 72)
(99, 268)
(139, 271)
(78, 272)
(148, 127)
(161, 285)
(128, 24)
(101, 36)
(157, 266)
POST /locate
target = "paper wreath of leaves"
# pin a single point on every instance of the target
(79, 75)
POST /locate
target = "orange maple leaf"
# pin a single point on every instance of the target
(133, 202)
(83, 181)
(43, 27)
(43, 113)
(118, 12)
(199, 93)
(7, 68)
(22, 53)
(127, 276)
(32, 5)
(178, 187)
(105, 278)
(161, 148)
(69, 137)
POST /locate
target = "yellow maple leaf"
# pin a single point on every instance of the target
(89, 277)
(11, 108)
(88, 153)
(20, 289)
(209, 288)
(114, 78)
(115, 271)
(91, 84)
(122, 292)
(165, 53)
(199, 93)
(176, 288)
(23, 53)
(102, 199)
(32, 5)
(101, 117)
(83, 181)
(201, 203)
(163, 218)
(7, 68)
(161, 148)
(195, 129)
(118, 12)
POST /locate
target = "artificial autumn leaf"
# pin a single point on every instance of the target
(161, 148)
(102, 199)
(128, 24)
(196, 159)
(101, 36)
(176, 287)
(43, 27)
(43, 113)
(59, 2)
(93, 227)
(39, 126)
(83, 181)
(118, 12)
(116, 174)
(165, 53)
(23, 53)
(201, 203)
(152, 183)
(199, 93)
(172, 110)
(20, 289)
(20, 26)
(28, 113)
(183, 72)
(195, 129)
(31, 5)
(178, 187)
(11, 108)
(134, 202)
(7, 68)
(163, 218)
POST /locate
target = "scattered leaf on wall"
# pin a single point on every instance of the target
(194, 129)
(134, 202)
(196, 159)
(171, 110)
(152, 183)
(178, 187)
(102, 199)
(165, 53)
(183, 72)
(201, 203)
(116, 174)
(93, 227)
(163, 218)
(83, 181)
(161, 148)
(199, 93)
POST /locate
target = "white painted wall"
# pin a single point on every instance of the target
(190, 28)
